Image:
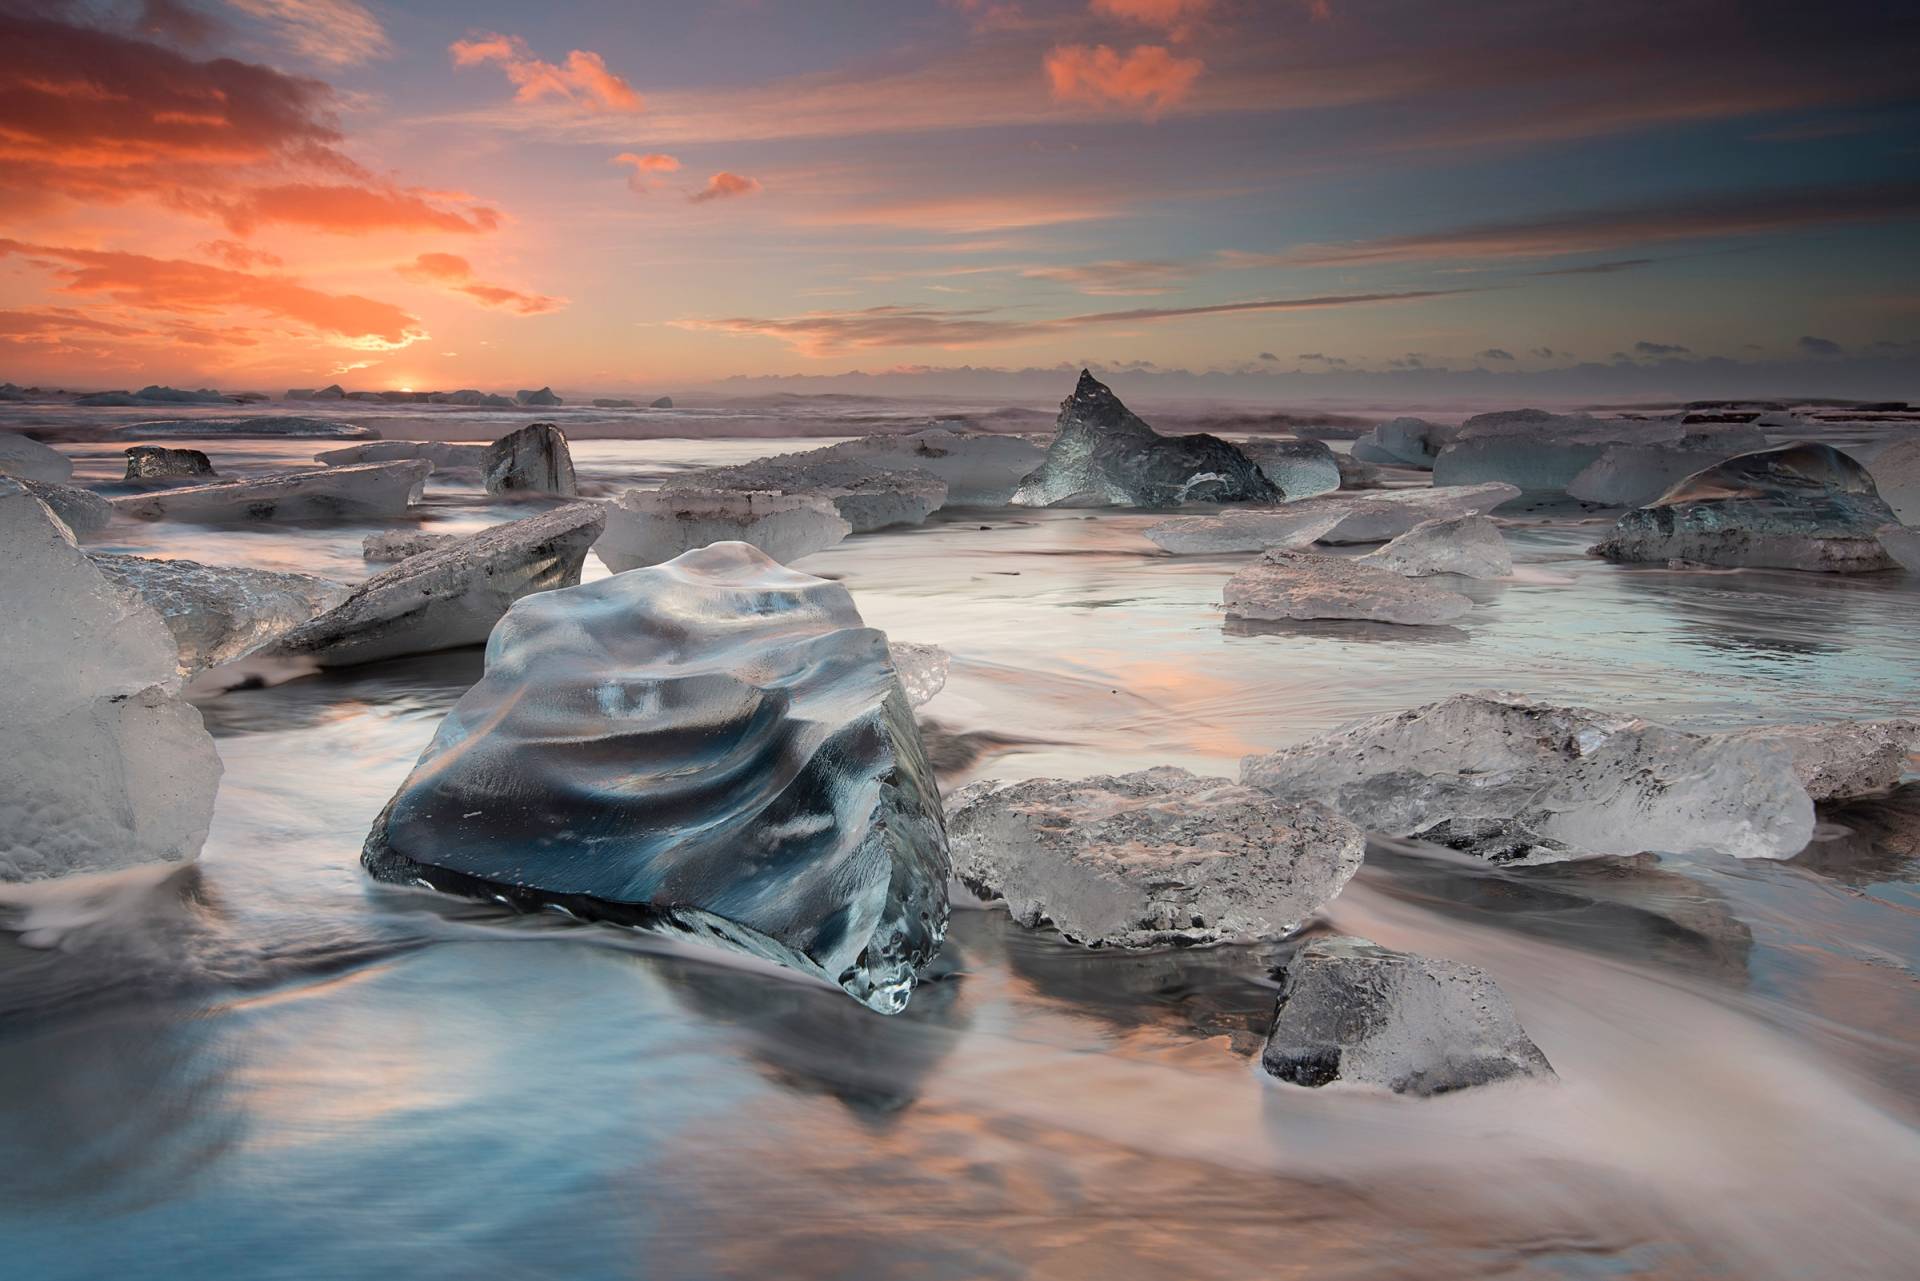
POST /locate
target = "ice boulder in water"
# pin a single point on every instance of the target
(717, 748)
(543, 397)
(1902, 543)
(444, 455)
(81, 510)
(1105, 455)
(1302, 585)
(1404, 442)
(922, 669)
(1544, 452)
(25, 458)
(648, 527)
(1562, 781)
(1801, 506)
(980, 469)
(1842, 760)
(102, 765)
(1150, 859)
(1300, 468)
(1354, 1011)
(369, 489)
(1631, 475)
(1896, 475)
(1468, 545)
(533, 460)
(868, 496)
(451, 595)
(218, 613)
(157, 462)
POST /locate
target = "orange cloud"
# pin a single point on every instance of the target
(239, 256)
(456, 273)
(1148, 77)
(651, 163)
(349, 210)
(103, 118)
(582, 80)
(178, 287)
(724, 185)
(1175, 17)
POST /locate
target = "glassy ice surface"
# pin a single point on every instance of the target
(263, 1067)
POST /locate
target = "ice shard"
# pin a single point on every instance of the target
(218, 613)
(1302, 585)
(102, 764)
(451, 595)
(1301, 468)
(1566, 778)
(980, 469)
(1155, 858)
(25, 458)
(1105, 455)
(715, 748)
(368, 489)
(1354, 1011)
(1469, 545)
(533, 460)
(1801, 506)
(647, 527)
(157, 462)
(867, 494)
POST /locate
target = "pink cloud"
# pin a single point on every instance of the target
(1148, 77)
(1175, 17)
(724, 185)
(181, 288)
(456, 273)
(652, 162)
(583, 79)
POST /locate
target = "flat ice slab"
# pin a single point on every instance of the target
(1150, 859)
(366, 489)
(451, 595)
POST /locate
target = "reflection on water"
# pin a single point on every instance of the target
(265, 1067)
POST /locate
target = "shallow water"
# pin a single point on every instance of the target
(265, 1066)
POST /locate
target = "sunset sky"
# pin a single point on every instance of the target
(599, 196)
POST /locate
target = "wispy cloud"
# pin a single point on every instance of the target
(1747, 213)
(583, 80)
(820, 333)
(1599, 268)
(196, 289)
(456, 273)
(1116, 277)
(335, 33)
(1175, 17)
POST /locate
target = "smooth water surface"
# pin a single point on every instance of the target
(264, 1066)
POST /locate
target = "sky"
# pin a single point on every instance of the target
(1283, 198)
